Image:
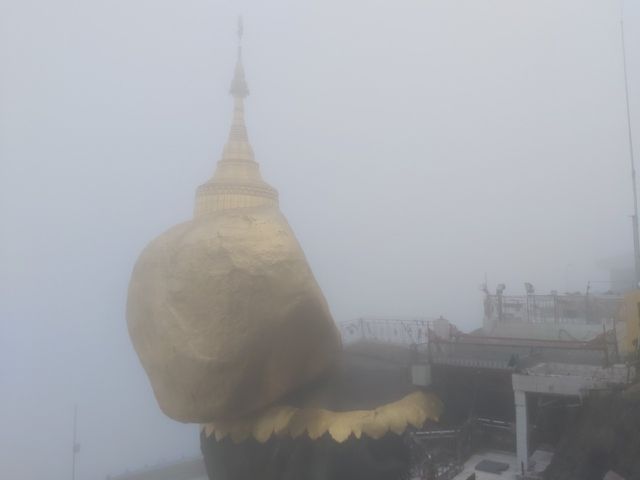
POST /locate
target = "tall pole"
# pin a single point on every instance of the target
(75, 443)
(634, 218)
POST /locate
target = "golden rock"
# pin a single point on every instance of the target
(223, 310)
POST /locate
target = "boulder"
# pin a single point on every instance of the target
(226, 315)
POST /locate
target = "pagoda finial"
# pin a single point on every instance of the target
(240, 29)
(237, 182)
(239, 88)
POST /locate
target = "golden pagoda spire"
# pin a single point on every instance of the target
(237, 182)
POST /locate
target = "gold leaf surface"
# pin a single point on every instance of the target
(413, 410)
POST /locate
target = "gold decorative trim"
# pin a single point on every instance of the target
(239, 189)
(413, 410)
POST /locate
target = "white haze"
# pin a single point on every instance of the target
(416, 145)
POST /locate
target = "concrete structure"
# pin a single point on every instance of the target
(558, 379)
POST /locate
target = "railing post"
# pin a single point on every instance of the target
(522, 430)
(605, 345)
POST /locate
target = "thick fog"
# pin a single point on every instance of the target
(417, 146)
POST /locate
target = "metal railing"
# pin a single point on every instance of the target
(565, 309)
(386, 330)
(451, 347)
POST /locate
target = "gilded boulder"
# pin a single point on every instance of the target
(226, 316)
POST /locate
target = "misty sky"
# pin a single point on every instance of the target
(417, 145)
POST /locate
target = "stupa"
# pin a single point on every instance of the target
(223, 310)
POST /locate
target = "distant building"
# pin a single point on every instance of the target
(189, 469)
(622, 279)
(622, 275)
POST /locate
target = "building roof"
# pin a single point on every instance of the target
(188, 469)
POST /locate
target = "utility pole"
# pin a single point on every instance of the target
(634, 218)
(76, 445)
